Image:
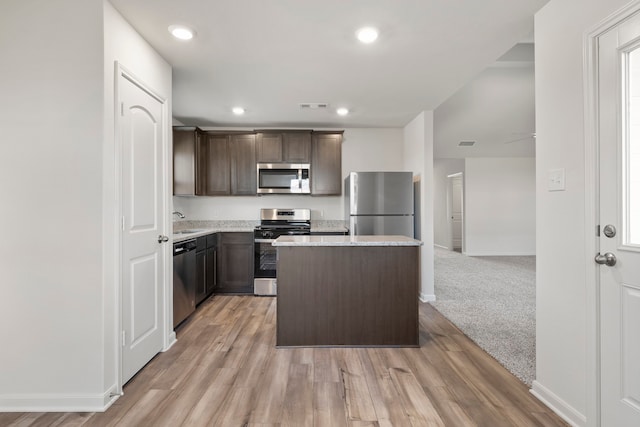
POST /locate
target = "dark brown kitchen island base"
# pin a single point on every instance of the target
(348, 296)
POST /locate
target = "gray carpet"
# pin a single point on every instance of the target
(492, 300)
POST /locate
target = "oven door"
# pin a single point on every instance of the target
(264, 267)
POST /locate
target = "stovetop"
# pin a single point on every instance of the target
(275, 222)
(278, 222)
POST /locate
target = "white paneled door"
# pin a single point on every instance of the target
(141, 131)
(619, 240)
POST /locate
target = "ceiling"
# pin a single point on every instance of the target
(495, 110)
(270, 56)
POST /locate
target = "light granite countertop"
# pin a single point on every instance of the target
(199, 228)
(196, 229)
(346, 241)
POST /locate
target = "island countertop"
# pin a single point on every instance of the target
(346, 241)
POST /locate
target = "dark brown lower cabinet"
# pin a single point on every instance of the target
(206, 263)
(235, 263)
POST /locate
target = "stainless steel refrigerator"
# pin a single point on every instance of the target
(378, 203)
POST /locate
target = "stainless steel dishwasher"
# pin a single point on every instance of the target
(184, 280)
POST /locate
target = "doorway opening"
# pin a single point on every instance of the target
(455, 197)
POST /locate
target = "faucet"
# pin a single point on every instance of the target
(180, 214)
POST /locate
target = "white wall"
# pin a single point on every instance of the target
(418, 157)
(51, 116)
(362, 150)
(441, 224)
(499, 206)
(57, 250)
(563, 376)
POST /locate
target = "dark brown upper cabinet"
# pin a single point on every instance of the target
(269, 147)
(242, 148)
(297, 147)
(219, 163)
(326, 163)
(215, 151)
(188, 167)
(283, 146)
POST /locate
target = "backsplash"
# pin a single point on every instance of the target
(242, 225)
(232, 225)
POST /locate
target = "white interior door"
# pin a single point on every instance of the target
(457, 211)
(141, 130)
(619, 192)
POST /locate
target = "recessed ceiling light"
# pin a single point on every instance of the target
(342, 111)
(367, 34)
(238, 111)
(181, 32)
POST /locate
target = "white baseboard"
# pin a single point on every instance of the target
(58, 402)
(559, 406)
(171, 340)
(427, 297)
(467, 253)
(441, 247)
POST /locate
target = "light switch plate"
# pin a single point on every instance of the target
(555, 179)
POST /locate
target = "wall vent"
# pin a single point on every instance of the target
(313, 105)
(466, 143)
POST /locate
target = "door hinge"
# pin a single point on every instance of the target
(122, 108)
(598, 230)
(124, 338)
(122, 223)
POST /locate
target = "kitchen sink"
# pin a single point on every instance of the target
(189, 231)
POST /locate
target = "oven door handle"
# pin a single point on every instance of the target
(264, 240)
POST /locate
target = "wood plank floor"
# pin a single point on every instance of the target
(225, 371)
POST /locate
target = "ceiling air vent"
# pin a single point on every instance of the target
(466, 143)
(313, 105)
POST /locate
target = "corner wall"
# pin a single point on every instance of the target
(122, 43)
(564, 378)
(418, 157)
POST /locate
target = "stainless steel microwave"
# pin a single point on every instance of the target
(283, 178)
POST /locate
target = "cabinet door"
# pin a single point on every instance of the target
(235, 263)
(211, 264)
(201, 162)
(269, 147)
(187, 172)
(297, 147)
(326, 164)
(243, 164)
(218, 175)
(201, 276)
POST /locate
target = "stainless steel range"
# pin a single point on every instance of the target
(273, 224)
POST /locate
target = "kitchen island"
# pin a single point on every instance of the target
(354, 291)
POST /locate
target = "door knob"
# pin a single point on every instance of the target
(162, 239)
(606, 259)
